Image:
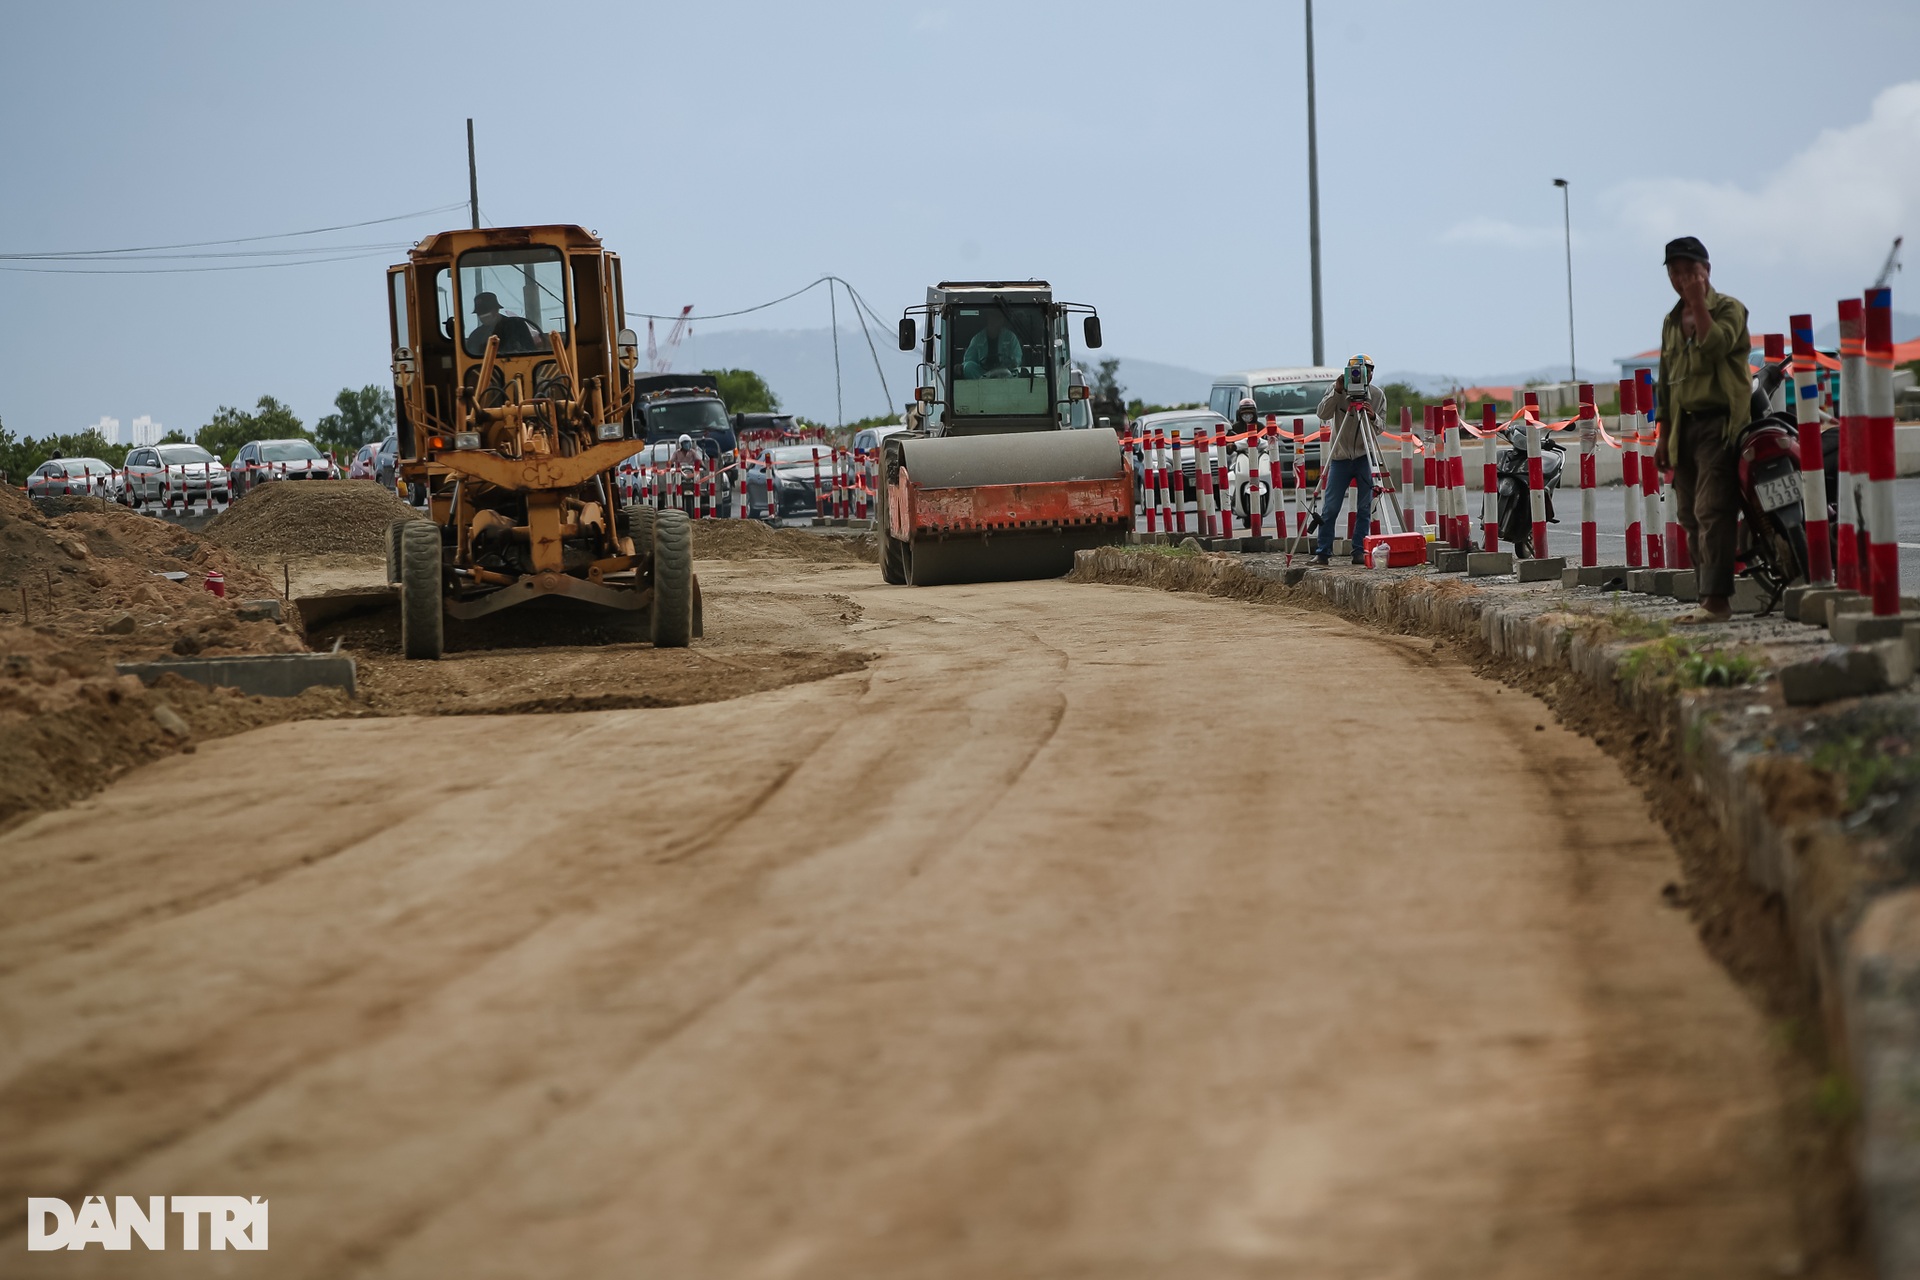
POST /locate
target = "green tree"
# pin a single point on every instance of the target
(19, 458)
(172, 437)
(744, 391)
(232, 428)
(360, 417)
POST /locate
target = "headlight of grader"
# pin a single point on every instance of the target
(466, 439)
(609, 431)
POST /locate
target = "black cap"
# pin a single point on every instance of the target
(1686, 249)
(483, 302)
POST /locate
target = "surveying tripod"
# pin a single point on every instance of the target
(1385, 499)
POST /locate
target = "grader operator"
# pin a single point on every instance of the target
(513, 382)
(992, 481)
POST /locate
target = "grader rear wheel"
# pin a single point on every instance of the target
(422, 616)
(671, 625)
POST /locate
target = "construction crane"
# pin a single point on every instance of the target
(656, 362)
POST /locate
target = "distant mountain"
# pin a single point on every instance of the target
(798, 365)
(1430, 384)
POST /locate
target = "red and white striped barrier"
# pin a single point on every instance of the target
(1805, 389)
(1653, 507)
(1489, 480)
(1853, 367)
(1536, 478)
(1216, 449)
(1589, 517)
(1630, 432)
(1883, 550)
(1457, 475)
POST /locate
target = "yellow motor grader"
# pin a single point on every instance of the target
(513, 380)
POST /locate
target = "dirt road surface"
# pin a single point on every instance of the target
(1087, 931)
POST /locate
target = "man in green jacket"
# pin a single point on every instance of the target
(1702, 404)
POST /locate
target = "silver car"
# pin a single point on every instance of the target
(186, 470)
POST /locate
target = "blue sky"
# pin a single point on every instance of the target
(1147, 158)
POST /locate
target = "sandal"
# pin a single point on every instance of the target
(1701, 618)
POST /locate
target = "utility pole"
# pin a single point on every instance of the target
(473, 178)
(1313, 198)
(1566, 217)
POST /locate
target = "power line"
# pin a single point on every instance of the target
(723, 315)
(164, 271)
(203, 244)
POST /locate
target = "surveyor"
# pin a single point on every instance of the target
(1702, 402)
(994, 352)
(1355, 407)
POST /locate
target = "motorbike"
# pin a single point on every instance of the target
(1516, 502)
(1772, 543)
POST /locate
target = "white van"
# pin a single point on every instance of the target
(1290, 393)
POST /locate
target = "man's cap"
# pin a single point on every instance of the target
(1686, 249)
(485, 302)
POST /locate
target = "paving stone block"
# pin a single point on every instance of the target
(1488, 564)
(1854, 627)
(1543, 569)
(1790, 604)
(1607, 577)
(1748, 596)
(1847, 671)
(1684, 585)
(1813, 605)
(1640, 580)
(1451, 561)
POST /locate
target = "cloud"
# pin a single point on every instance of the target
(1841, 201)
(1501, 234)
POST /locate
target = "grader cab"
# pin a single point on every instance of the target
(513, 380)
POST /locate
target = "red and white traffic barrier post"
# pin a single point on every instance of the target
(1653, 508)
(1222, 494)
(1630, 465)
(1883, 549)
(1489, 479)
(1805, 389)
(1853, 368)
(1589, 518)
(1457, 475)
(1536, 479)
(1275, 478)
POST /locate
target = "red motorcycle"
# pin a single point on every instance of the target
(1773, 525)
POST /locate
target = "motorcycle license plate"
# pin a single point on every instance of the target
(1781, 491)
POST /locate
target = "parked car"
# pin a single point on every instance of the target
(1289, 392)
(361, 468)
(794, 471)
(385, 461)
(868, 439)
(59, 477)
(262, 460)
(187, 469)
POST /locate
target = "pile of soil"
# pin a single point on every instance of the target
(751, 540)
(83, 590)
(310, 517)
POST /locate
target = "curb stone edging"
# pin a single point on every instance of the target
(1861, 951)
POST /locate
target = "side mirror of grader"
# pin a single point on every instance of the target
(1092, 329)
(629, 344)
(907, 335)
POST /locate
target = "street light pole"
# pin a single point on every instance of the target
(1566, 218)
(1313, 198)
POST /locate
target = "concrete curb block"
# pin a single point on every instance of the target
(1860, 947)
(272, 675)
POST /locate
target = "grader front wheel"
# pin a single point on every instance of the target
(422, 616)
(671, 625)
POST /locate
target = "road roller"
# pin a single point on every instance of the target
(991, 481)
